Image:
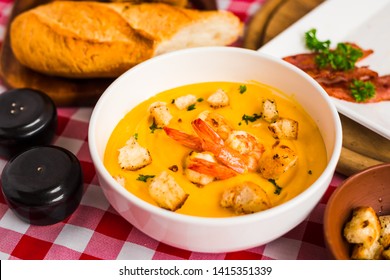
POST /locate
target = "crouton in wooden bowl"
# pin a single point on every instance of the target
(214, 149)
(357, 216)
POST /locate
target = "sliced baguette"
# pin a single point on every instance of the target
(93, 39)
(181, 3)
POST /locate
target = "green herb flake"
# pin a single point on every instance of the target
(312, 42)
(144, 178)
(136, 136)
(191, 107)
(153, 127)
(242, 89)
(361, 90)
(200, 99)
(278, 189)
(252, 118)
(344, 57)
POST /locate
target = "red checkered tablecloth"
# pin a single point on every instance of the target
(97, 231)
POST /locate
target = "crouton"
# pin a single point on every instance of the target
(133, 156)
(218, 99)
(269, 110)
(276, 161)
(245, 198)
(365, 230)
(159, 111)
(369, 252)
(364, 227)
(166, 192)
(384, 238)
(183, 102)
(369, 234)
(284, 128)
(386, 254)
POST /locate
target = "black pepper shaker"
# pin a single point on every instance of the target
(43, 185)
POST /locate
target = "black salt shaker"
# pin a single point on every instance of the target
(28, 118)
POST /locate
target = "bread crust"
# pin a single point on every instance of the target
(181, 3)
(96, 40)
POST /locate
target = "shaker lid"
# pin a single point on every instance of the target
(43, 185)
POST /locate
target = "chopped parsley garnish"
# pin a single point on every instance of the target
(312, 42)
(191, 107)
(278, 189)
(153, 127)
(200, 99)
(136, 136)
(242, 89)
(252, 118)
(342, 58)
(144, 178)
(361, 90)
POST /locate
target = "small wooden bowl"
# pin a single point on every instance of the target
(370, 187)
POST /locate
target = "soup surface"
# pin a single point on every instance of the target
(244, 100)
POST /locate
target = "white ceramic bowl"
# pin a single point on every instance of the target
(201, 65)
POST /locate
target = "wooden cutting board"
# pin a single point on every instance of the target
(63, 91)
(362, 147)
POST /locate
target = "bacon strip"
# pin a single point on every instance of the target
(382, 85)
(336, 83)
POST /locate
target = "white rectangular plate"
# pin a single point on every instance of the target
(364, 22)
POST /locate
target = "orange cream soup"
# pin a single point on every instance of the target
(165, 152)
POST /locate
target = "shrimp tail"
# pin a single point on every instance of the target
(191, 141)
(213, 143)
(214, 169)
